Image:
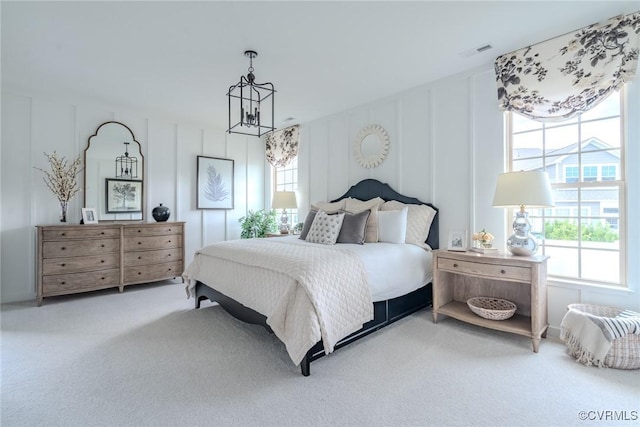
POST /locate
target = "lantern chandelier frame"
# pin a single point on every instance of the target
(252, 103)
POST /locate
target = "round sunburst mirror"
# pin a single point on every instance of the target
(371, 146)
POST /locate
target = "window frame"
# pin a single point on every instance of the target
(619, 183)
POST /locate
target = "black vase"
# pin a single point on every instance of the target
(161, 213)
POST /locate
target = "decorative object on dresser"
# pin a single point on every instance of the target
(81, 258)
(458, 277)
(284, 200)
(214, 183)
(371, 146)
(102, 184)
(62, 180)
(161, 213)
(251, 103)
(457, 241)
(517, 189)
(483, 242)
(89, 216)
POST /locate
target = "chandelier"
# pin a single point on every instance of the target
(251, 104)
(126, 167)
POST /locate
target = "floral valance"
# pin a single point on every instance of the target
(282, 146)
(560, 78)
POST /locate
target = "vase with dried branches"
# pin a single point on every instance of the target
(62, 180)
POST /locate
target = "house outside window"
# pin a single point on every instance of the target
(285, 178)
(584, 157)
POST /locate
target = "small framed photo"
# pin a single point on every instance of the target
(123, 195)
(89, 216)
(215, 183)
(457, 241)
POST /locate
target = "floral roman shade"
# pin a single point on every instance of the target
(560, 78)
(282, 146)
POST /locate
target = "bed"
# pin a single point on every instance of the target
(311, 322)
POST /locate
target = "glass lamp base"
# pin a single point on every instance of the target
(522, 245)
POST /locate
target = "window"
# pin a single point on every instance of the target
(286, 179)
(584, 158)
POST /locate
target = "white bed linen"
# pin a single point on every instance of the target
(321, 286)
(392, 269)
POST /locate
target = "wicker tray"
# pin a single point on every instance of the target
(492, 308)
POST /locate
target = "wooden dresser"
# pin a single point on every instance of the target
(81, 258)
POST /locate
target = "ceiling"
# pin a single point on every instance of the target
(177, 59)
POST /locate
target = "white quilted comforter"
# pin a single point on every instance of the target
(307, 292)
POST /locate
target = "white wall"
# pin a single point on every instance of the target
(447, 147)
(33, 124)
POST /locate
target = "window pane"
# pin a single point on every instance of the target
(527, 140)
(600, 265)
(601, 134)
(563, 261)
(520, 123)
(564, 138)
(527, 164)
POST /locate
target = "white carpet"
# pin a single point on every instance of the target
(147, 358)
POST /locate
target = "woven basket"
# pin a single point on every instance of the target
(492, 308)
(625, 351)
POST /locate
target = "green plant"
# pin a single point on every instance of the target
(566, 230)
(258, 224)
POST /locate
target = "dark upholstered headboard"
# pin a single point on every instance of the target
(371, 188)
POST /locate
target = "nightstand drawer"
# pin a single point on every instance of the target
(521, 274)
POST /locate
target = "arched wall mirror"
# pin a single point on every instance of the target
(113, 174)
(371, 146)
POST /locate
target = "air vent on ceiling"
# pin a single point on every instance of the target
(476, 50)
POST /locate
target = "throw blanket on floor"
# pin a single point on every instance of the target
(333, 280)
(589, 337)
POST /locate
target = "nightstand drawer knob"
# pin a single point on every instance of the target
(503, 271)
(455, 265)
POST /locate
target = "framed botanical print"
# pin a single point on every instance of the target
(214, 183)
(123, 195)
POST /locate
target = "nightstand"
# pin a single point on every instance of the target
(458, 276)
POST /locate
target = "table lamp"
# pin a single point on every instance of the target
(524, 188)
(284, 200)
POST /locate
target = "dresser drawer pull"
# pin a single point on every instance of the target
(139, 243)
(63, 265)
(139, 231)
(63, 283)
(169, 230)
(102, 232)
(139, 273)
(139, 257)
(62, 248)
(102, 246)
(102, 261)
(102, 278)
(455, 265)
(169, 270)
(168, 254)
(503, 271)
(63, 234)
(169, 241)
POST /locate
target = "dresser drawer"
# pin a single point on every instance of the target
(156, 230)
(155, 242)
(59, 233)
(74, 248)
(59, 284)
(521, 274)
(152, 257)
(151, 272)
(80, 264)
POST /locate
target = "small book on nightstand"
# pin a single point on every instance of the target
(485, 250)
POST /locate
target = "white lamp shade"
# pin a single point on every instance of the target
(529, 188)
(284, 200)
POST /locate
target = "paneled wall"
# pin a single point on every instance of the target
(447, 147)
(34, 124)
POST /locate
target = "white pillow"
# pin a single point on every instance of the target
(419, 219)
(325, 228)
(392, 226)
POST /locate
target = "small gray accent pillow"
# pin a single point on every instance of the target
(307, 224)
(354, 227)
